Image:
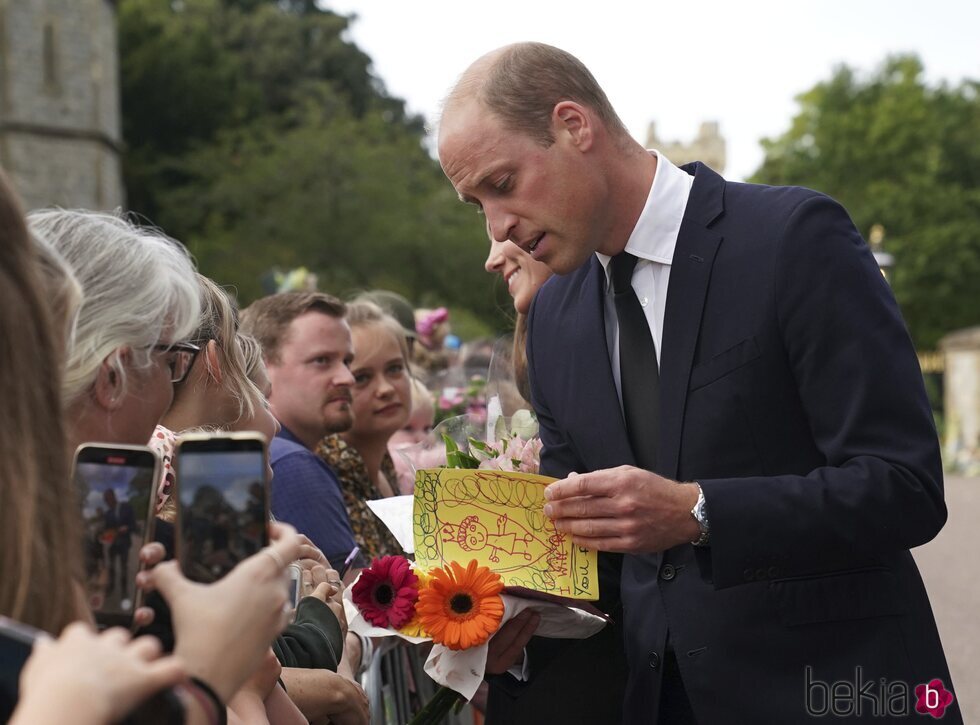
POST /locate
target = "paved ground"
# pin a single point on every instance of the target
(950, 566)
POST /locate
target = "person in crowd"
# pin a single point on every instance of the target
(217, 392)
(415, 431)
(381, 405)
(119, 524)
(130, 344)
(728, 392)
(42, 568)
(306, 344)
(523, 275)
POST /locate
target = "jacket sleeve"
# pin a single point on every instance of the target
(880, 490)
(314, 640)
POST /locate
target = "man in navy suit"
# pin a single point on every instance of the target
(726, 387)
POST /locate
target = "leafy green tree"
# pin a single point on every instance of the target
(898, 152)
(258, 135)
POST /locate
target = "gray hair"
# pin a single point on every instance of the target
(138, 288)
(62, 290)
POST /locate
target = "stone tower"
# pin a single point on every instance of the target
(709, 146)
(60, 136)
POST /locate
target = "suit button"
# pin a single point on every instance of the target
(773, 572)
(668, 572)
(760, 574)
(747, 575)
(654, 661)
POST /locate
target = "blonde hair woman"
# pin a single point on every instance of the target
(381, 403)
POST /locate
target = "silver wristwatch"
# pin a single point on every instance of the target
(700, 514)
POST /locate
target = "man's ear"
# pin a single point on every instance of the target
(109, 390)
(213, 360)
(574, 121)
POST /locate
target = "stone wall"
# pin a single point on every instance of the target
(60, 127)
(708, 146)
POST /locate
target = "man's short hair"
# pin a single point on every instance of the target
(524, 83)
(268, 319)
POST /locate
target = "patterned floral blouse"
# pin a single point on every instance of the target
(370, 534)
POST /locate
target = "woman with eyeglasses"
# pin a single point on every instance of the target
(130, 342)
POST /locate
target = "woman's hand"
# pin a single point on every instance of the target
(310, 554)
(84, 677)
(223, 630)
(150, 555)
(325, 585)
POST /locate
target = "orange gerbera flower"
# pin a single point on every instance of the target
(461, 608)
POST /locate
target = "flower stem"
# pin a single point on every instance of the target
(437, 708)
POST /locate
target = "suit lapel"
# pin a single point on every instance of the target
(690, 272)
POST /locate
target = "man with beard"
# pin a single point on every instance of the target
(307, 348)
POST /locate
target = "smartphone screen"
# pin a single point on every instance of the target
(116, 486)
(223, 494)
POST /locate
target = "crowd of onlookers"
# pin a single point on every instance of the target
(108, 334)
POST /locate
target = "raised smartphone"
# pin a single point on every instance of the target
(116, 486)
(223, 501)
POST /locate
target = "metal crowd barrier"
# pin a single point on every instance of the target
(397, 686)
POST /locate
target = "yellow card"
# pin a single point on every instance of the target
(497, 518)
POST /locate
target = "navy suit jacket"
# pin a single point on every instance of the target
(791, 392)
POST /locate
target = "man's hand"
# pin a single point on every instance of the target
(623, 509)
(506, 648)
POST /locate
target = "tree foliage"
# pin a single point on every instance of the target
(258, 136)
(900, 153)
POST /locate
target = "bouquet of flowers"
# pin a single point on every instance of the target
(458, 608)
(517, 446)
(459, 603)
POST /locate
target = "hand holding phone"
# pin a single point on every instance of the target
(223, 502)
(116, 485)
(223, 629)
(43, 678)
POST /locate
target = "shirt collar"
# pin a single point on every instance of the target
(284, 432)
(655, 234)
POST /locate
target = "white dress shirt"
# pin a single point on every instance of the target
(652, 242)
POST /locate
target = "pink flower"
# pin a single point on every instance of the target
(502, 462)
(386, 592)
(530, 455)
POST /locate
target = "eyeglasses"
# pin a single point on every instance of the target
(183, 355)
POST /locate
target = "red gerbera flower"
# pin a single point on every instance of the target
(386, 592)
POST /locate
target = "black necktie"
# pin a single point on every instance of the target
(639, 376)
